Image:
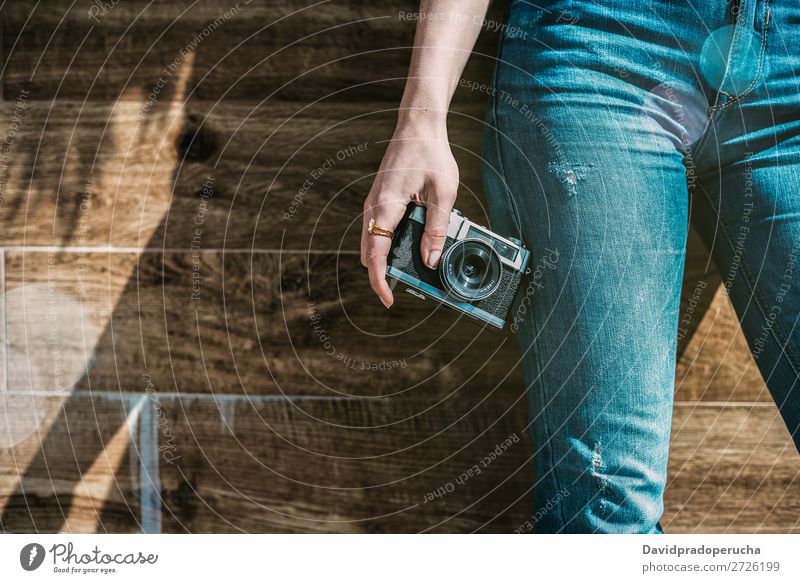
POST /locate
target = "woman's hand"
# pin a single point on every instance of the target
(418, 167)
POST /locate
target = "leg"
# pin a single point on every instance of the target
(597, 189)
(747, 205)
(755, 242)
(749, 214)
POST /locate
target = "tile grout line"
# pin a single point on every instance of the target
(4, 321)
(726, 404)
(149, 477)
(222, 397)
(123, 395)
(111, 249)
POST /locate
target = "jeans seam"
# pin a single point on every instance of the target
(515, 219)
(776, 330)
(535, 346)
(547, 425)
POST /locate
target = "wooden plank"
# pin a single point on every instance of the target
(717, 364)
(700, 281)
(57, 307)
(259, 468)
(348, 49)
(271, 176)
(252, 330)
(3, 343)
(72, 468)
(344, 466)
(235, 464)
(732, 469)
(259, 324)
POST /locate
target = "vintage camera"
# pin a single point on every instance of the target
(479, 272)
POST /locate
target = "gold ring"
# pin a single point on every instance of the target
(374, 229)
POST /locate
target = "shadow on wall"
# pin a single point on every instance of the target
(58, 302)
(161, 340)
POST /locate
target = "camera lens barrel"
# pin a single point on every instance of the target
(470, 270)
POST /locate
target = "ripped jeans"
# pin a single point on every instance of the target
(608, 131)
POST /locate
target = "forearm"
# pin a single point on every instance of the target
(446, 33)
(418, 164)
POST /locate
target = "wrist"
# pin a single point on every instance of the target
(416, 120)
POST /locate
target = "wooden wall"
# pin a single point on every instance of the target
(178, 356)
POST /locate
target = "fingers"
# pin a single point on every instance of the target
(375, 248)
(437, 218)
(376, 263)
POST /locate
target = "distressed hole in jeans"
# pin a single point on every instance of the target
(570, 175)
(597, 470)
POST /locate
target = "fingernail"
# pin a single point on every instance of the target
(387, 304)
(433, 258)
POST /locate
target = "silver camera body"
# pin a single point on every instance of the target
(479, 272)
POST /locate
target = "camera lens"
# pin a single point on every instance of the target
(471, 270)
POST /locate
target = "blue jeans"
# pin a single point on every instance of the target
(612, 125)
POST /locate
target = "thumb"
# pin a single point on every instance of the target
(437, 219)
